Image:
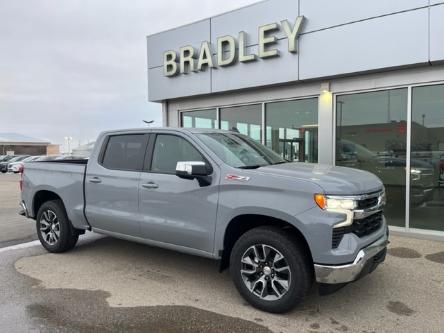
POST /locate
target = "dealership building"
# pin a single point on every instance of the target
(351, 83)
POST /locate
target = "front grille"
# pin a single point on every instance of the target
(367, 203)
(367, 225)
(360, 228)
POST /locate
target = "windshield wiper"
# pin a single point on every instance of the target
(283, 162)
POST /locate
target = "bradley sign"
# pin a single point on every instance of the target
(230, 50)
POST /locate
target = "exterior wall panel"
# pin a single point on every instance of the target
(436, 33)
(249, 18)
(161, 87)
(257, 73)
(356, 36)
(191, 34)
(323, 14)
(373, 44)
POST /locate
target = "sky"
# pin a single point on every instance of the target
(74, 68)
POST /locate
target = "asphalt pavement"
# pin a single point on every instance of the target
(109, 285)
(15, 229)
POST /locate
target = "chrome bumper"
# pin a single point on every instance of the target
(366, 260)
(23, 211)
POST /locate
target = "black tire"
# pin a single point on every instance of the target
(68, 236)
(299, 272)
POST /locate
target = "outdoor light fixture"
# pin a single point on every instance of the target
(325, 87)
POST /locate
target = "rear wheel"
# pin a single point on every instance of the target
(54, 229)
(270, 270)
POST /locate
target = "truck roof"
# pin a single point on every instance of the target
(167, 129)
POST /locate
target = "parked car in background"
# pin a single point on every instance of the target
(391, 170)
(4, 164)
(69, 157)
(16, 167)
(47, 158)
(6, 158)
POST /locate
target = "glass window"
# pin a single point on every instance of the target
(246, 119)
(240, 151)
(199, 119)
(170, 149)
(292, 129)
(371, 135)
(427, 158)
(125, 152)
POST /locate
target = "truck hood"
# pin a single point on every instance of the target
(333, 179)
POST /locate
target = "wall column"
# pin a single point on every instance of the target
(326, 126)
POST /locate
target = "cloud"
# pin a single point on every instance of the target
(79, 67)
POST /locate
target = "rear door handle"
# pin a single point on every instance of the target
(95, 180)
(150, 185)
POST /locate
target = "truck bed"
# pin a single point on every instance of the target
(64, 177)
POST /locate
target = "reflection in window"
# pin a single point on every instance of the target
(246, 119)
(199, 119)
(170, 149)
(371, 135)
(427, 158)
(292, 129)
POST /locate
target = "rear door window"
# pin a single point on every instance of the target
(125, 152)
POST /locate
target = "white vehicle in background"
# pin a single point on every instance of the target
(17, 167)
(5, 164)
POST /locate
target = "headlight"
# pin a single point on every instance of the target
(383, 198)
(331, 203)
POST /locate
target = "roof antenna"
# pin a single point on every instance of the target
(234, 129)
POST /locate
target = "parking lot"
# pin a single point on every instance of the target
(108, 285)
(15, 229)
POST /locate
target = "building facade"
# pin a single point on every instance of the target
(351, 83)
(18, 144)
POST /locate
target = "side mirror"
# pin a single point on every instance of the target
(192, 169)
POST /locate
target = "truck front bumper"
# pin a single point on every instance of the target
(365, 262)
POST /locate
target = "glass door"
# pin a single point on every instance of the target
(292, 129)
(371, 135)
(427, 158)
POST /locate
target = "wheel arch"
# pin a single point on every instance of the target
(41, 197)
(245, 222)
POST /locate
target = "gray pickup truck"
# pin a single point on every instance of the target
(277, 226)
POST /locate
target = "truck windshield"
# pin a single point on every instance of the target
(239, 151)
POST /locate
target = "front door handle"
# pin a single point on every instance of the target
(95, 180)
(150, 185)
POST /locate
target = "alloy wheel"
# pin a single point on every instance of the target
(49, 227)
(265, 272)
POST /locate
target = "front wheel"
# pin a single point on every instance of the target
(54, 229)
(270, 270)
